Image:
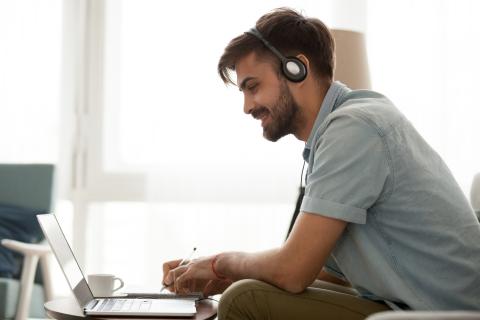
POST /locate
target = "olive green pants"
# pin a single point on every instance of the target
(253, 299)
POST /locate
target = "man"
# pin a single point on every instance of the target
(381, 210)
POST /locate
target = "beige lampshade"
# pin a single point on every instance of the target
(351, 64)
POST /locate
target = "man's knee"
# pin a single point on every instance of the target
(241, 301)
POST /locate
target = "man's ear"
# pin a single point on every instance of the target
(305, 61)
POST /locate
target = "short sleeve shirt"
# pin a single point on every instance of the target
(412, 237)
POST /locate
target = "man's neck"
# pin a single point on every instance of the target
(311, 104)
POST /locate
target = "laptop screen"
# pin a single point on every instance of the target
(66, 259)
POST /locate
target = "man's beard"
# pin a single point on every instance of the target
(284, 116)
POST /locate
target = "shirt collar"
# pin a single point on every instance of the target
(330, 102)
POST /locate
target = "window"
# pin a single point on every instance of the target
(178, 162)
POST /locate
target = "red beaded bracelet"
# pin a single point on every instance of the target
(213, 268)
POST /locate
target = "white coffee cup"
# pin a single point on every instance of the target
(102, 284)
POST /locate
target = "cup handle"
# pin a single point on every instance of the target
(120, 286)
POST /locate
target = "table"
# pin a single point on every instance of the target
(68, 309)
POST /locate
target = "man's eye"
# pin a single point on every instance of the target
(252, 87)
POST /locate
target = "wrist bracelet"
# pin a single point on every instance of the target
(220, 277)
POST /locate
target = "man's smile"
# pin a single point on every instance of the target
(261, 114)
(264, 118)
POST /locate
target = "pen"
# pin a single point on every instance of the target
(184, 261)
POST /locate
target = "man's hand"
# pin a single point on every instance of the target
(167, 280)
(194, 276)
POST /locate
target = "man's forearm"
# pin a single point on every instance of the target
(270, 266)
(295, 265)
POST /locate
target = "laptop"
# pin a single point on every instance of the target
(90, 305)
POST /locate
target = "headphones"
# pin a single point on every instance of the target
(292, 68)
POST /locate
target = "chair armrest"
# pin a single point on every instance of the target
(32, 253)
(27, 249)
(426, 315)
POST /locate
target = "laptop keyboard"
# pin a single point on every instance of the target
(123, 305)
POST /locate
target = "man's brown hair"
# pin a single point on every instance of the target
(292, 34)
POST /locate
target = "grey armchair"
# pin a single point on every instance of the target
(475, 194)
(24, 188)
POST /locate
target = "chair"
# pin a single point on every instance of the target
(426, 315)
(475, 194)
(29, 187)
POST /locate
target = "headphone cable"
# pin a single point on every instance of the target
(301, 175)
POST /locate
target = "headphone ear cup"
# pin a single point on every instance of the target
(294, 70)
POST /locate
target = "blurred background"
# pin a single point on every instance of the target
(153, 153)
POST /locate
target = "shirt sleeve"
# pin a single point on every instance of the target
(350, 169)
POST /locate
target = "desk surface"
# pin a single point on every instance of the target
(68, 309)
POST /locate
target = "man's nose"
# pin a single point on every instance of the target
(248, 105)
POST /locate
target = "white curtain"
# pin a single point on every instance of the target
(30, 71)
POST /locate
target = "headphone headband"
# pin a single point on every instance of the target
(292, 68)
(254, 32)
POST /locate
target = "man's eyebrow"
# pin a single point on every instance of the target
(244, 83)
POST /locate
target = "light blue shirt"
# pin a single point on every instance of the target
(412, 237)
